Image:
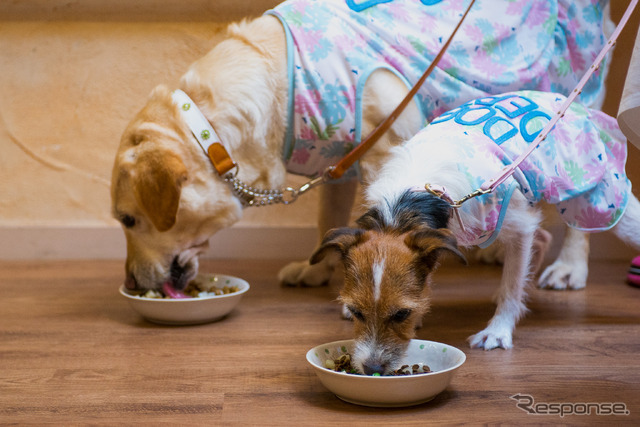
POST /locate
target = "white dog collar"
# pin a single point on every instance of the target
(204, 133)
(208, 139)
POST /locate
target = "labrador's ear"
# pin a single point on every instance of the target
(430, 244)
(338, 240)
(157, 183)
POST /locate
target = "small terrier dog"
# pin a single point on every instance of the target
(387, 274)
(390, 256)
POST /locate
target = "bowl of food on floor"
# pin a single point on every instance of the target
(207, 298)
(425, 371)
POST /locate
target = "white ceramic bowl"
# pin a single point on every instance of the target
(190, 311)
(389, 391)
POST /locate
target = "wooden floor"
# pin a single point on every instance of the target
(73, 351)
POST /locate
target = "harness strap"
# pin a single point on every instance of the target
(336, 171)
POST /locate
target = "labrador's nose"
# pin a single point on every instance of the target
(178, 275)
(130, 282)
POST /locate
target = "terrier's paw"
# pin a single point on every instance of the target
(491, 338)
(302, 274)
(563, 275)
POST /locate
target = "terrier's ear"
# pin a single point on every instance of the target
(338, 240)
(431, 243)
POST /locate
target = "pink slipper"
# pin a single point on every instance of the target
(633, 277)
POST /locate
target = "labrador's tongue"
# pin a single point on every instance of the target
(173, 292)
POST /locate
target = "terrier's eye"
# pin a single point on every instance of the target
(400, 316)
(128, 221)
(356, 313)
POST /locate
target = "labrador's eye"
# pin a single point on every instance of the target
(128, 221)
(356, 313)
(400, 316)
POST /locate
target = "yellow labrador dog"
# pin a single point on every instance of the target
(267, 108)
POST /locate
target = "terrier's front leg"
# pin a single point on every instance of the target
(511, 294)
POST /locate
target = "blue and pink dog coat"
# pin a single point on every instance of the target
(579, 167)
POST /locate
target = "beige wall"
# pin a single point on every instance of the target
(74, 72)
(69, 86)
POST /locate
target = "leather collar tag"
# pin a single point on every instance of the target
(220, 158)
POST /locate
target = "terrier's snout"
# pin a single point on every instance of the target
(373, 368)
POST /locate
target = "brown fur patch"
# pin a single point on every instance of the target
(401, 287)
(157, 184)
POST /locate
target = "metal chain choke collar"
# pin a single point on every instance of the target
(251, 196)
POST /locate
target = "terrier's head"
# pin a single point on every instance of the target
(386, 287)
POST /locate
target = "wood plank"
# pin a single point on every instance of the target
(73, 351)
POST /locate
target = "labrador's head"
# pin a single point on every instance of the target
(167, 197)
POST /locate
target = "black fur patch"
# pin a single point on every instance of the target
(411, 210)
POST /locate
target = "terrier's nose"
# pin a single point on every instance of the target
(370, 369)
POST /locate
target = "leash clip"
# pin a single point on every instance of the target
(479, 192)
(441, 192)
(309, 185)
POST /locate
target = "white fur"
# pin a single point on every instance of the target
(366, 350)
(378, 270)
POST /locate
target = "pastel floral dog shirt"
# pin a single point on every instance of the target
(579, 167)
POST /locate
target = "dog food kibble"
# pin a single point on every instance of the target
(416, 368)
(198, 290)
(152, 294)
(343, 364)
(195, 289)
